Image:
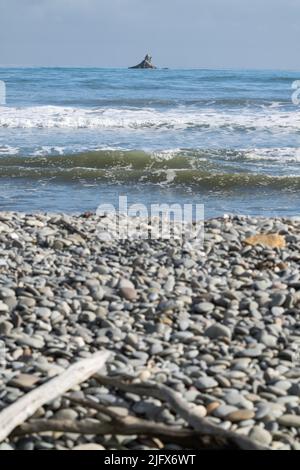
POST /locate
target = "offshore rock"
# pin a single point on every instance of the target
(145, 64)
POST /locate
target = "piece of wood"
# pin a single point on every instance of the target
(128, 426)
(183, 408)
(17, 413)
(173, 434)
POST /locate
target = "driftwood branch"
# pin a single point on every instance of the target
(128, 426)
(25, 407)
(203, 434)
(71, 228)
(176, 402)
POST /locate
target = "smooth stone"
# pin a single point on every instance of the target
(128, 293)
(284, 385)
(293, 399)
(277, 299)
(204, 307)
(268, 340)
(289, 421)
(156, 349)
(27, 301)
(236, 399)
(241, 364)
(277, 311)
(217, 331)
(205, 383)
(43, 312)
(126, 283)
(261, 436)
(4, 308)
(24, 381)
(89, 447)
(31, 342)
(238, 270)
(240, 415)
(66, 414)
(211, 407)
(5, 292)
(256, 351)
(200, 411)
(262, 410)
(262, 285)
(5, 328)
(224, 410)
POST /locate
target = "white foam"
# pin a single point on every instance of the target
(8, 150)
(49, 117)
(45, 150)
(282, 155)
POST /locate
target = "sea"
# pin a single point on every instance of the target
(72, 139)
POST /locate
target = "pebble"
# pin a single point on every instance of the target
(32, 342)
(25, 381)
(89, 447)
(205, 383)
(218, 331)
(204, 307)
(223, 411)
(261, 436)
(66, 414)
(6, 328)
(289, 421)
(256, 351)
(128, 293)
(200, 411)
(211, 407)
(240, 415)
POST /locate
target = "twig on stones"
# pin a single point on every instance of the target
(17, 413)
(71, 228)
(179, 405)
(187, 438)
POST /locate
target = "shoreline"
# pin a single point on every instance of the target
(219, 325)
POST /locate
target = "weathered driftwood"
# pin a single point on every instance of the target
(125, 426)
(71, 228)
(203, 434)
(180, 406)
(16, 414)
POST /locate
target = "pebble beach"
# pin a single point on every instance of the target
(218, 323)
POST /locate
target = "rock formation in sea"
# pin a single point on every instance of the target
(145, 64)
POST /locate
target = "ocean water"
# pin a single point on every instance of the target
(72, 139)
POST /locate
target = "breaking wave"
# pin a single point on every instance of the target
(49, 117)
(189, 169)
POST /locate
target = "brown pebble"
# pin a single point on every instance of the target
(25, 381)
(212, 407)
(240, 415)
(128, 293)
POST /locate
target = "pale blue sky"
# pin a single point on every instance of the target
(178, 33)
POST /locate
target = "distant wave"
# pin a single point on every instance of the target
(84, 154)
(51, 117)
(190, 169)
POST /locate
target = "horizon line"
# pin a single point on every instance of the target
(220, 68)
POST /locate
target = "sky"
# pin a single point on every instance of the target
(177, 33)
